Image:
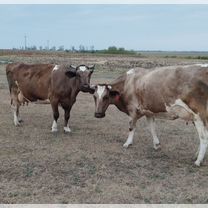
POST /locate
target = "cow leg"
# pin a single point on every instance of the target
(55, 116)
(15, 109)
(66, 117)
(203, 136)
(151, 123)
(18, 115)
(132, 128)
(15, 105)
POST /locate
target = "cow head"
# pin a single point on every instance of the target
(83, 74)
(103, 97)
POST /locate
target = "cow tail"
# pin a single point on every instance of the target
(9, 78)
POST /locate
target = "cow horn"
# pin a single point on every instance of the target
(91, 67)
(73, 66)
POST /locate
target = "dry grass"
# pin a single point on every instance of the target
(90, 165)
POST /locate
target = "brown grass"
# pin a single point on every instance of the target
(90, 165)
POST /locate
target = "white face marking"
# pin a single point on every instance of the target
(100, 91)
(202, 65)
(56, 68)
(83, 68)
(131, 71)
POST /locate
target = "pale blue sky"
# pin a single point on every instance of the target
(138, 27)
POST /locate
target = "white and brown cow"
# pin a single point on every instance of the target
(166, 92)
(58, 83)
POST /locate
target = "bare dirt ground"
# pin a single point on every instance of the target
(90, 165)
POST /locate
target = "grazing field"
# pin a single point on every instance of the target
(90, 165)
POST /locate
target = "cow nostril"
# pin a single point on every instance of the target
(99, 115)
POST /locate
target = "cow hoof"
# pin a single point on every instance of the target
(157, 146)
(54, 130)
(197, 163)
(17, 123)
(67, 130)
(126, 145)
(20, 120)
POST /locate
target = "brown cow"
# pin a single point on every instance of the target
(58, 83)
(167, 93)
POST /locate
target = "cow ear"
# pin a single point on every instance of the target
(92, 89)
(114, 93)
(91, 67)
(71, 72)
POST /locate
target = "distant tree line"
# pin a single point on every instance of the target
(80, 49)
(115, 50)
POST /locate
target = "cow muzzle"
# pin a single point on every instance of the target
(85, 88)
(99, 115)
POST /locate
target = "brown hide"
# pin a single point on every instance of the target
(33, 80)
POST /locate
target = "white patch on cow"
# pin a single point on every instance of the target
(54, 126)
(130, 138)
(67, 129)
(179, 102)
(151, 123)
(202, 65)
(100, 91)
(131, 71)
(201, 129)
(109, 87)
(56, 67)
(16, 120)
(203, 136)
(83, 68)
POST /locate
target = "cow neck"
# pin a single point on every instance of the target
(77, 84)
(120, 103)
(118, 85)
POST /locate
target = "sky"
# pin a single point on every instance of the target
(136, 27)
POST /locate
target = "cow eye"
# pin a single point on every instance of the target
(105, 97)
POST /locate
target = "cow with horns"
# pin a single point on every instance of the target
(58, 83)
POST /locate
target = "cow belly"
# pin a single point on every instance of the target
(180, 110)
(34, 96)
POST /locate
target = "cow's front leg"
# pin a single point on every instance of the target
(66, 119)
(54, 105)
(151, 123)
(132, 128)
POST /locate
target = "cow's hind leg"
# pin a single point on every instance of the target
(15, 105)
(54, 105)
(66, 119)
(15, 109)
(132, 128)
(18, 115)
(203, 136)
(151, 123)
